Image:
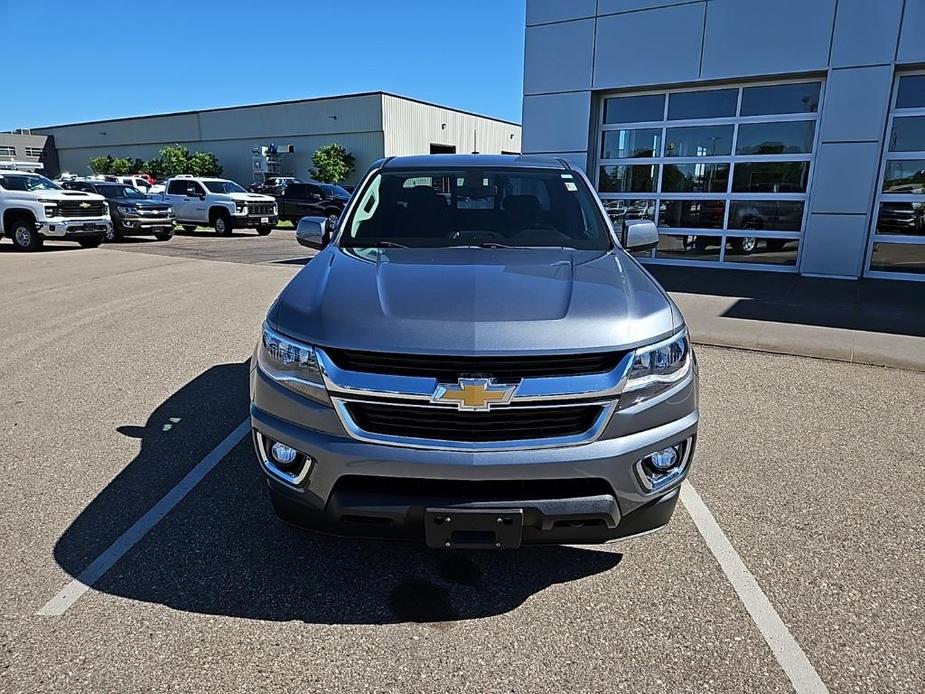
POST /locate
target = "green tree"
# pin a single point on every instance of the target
(101, 165)
(121, 166)
(154, 167)
(138, 166)
(204, 164)
(176, 160)
(333, 164)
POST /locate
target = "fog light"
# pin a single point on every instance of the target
(283, 454)
(664, 459)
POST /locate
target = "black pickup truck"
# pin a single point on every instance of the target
(311, 200)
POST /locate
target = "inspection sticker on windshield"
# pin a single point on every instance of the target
(569, 185)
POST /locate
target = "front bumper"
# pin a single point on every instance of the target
(142, 226)
(587, 493)
(250, 221)
(74, 228)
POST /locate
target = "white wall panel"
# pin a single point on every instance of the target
(544, 11)
(865, 32)
(557, 122)
(912, 38)
(856, 104)
(558, 57)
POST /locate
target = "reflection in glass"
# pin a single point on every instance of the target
(702, 141)
(639, 178)
(620, 210)
(901, 218)
(634, 109)
(770, 177)
(628, 144)
(695, 178)
(911, 92)
(769, 215)
(689, 247)
(748, 249)
(780, 98)
(715, 103)
(898, 257)
(692, 214)
(908, 134)
(905, 177)
(795, 137)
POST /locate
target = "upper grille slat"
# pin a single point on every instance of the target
(75, 208)
(450, 368)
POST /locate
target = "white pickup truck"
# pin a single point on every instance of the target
(220, 204)
(33, 208)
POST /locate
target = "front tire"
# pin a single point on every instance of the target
(25, 237)
(112, 235)
(263, 231)
(222, 225)
(90, 242)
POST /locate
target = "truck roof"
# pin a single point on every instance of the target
(467, 161)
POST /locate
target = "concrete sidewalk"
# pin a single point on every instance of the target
(865, 321)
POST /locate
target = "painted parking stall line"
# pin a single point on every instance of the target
(74, 590)
(787, 651)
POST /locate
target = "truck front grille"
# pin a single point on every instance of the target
(81, 208)
(501, 424)
(502, 369)
(260, 208)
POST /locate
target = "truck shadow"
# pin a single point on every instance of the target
(221, 551)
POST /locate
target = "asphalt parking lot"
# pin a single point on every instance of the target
(126, 367)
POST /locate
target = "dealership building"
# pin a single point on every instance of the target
(370, 126)
(782, 135)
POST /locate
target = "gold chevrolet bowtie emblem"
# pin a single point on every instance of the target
(85, 205)
(474, 394)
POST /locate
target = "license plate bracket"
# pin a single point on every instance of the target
(463, 528)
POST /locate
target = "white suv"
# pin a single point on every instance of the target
(33, 208)
(219, 203)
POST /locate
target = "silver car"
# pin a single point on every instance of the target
(473, 360)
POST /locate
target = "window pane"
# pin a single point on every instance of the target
(689, 247)
(901, 218)
(776, 138)
(627, 144)
(692, 214)
(619, 210)
(908, 134)
(770, 215)
(634, 109)
(911, 92)
(906, 177)
(629, 179)
(704, 141)
(770, 177)
(696, 178)
(717, 103)
(781, 98)
(898, 257)
(748, 249)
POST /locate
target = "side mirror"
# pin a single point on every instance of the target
(311, 232)
(639, 235)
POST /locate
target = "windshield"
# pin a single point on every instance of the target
(121, 192)
(224, 187)
(485, 207)
(335, 191)
(27, 182)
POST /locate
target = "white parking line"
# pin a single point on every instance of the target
(791, 657)
(72, 592)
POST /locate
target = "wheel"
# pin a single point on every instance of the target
(222, 225)
(112, 235)
(263, 231)
(24, 235)
(189, 228)
(90, 241)
(745, 245)
(164, 237)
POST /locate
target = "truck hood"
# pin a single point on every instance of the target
(251, 197)
(474, 301)
(136, 202)
(55, 195)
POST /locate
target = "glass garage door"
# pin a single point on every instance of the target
(724, 172)
(897, 244)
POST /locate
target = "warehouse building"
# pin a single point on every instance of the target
(369, 126)
(23, 146)
(773, 134)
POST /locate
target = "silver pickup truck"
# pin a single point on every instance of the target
(473, 360)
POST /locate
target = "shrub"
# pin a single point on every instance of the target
(333, 164)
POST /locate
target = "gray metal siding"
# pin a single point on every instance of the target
(856, 46)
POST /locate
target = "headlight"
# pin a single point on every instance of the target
(51, 211)
(291, 364)
(170, 212)
(131, 211)
(656, 367)
(239, 207)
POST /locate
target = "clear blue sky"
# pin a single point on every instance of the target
(88, 60)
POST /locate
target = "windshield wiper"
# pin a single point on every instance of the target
(378, 244)
(496, 244)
